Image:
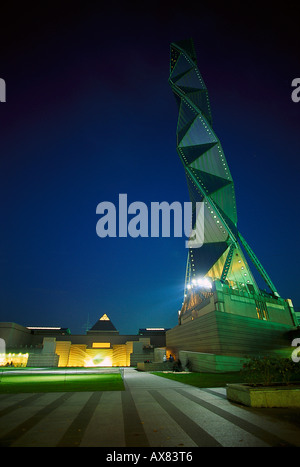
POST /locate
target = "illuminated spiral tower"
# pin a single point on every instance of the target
(221, 256)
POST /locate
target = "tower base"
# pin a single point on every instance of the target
(200, 362)
(219, 341)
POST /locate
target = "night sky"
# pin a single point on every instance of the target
(90, 114)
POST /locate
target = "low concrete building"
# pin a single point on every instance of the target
(102, 345)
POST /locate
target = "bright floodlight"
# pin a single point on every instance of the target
(204, 282)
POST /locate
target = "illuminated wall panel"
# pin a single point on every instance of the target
(129, 350)
(77, 355)
(119, 355)
(63, 351)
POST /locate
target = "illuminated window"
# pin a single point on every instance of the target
(101, 345)
(104, 318)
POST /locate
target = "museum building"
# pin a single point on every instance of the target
(102, 345)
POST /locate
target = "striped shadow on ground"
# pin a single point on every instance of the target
(135, 435)
(21, 429)
(19, 404)
(255, 430)
(192, 429)
(76, 430)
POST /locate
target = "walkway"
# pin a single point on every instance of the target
(152, 412)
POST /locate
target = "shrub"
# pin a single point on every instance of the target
(188, 365)
(268, 370)
(177, 366)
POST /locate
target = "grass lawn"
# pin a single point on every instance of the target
(60, 382)
(203, 380)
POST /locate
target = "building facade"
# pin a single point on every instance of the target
(101, 346)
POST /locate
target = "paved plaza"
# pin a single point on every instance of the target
(151, 412)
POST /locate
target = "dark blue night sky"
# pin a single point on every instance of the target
(90, 114)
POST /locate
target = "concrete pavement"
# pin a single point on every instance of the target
(151, 412)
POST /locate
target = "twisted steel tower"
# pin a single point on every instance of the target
(209, 181)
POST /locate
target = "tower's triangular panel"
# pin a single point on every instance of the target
(198, 133)
(212, 161)
(210, 182)
(186, 118)
(181, 67)
(193, 153)
(191, 80)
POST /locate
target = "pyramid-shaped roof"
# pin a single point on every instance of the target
(104, 324)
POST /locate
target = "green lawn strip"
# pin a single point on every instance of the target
(60, 383)
(203, 380)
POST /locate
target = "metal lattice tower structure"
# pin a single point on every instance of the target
(209, 181)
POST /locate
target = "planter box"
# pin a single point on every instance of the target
(265, 396)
